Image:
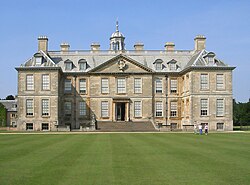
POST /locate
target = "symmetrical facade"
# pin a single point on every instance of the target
(170, 88)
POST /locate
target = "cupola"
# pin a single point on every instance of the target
(117, 40)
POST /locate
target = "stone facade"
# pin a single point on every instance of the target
(63, 90)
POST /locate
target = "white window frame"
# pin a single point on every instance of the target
(137, 85)
(173, 108)
(210, 60)
(82, 66)
(104, 109)
(67, 86)
(204, 81)
(83, 86)
(158, 66)
(220, 107)
(220, 81)
(29, 107)
(158, 109)
(138, 109)
(29, 82)
(68, 66)
(158, 85)
(82, 108)
(45, 82)
(172, 66)
(105, 85)
(173, 86)
(45, 107)
(121, 85)
(38, 61)
(204, 106)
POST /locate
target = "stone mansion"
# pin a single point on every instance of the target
(66, 89)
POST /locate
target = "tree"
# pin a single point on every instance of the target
(241, 113)
(10, 97)
(3, 113)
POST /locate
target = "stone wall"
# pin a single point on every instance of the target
(37, 95)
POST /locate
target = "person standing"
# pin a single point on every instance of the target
(200, 129)
(195, 129)
(206, 129)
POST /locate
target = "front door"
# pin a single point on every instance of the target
(120, 111)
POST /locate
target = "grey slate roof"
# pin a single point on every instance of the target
(147, 58)
(10, 105)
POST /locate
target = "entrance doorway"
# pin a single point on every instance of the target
(120, 111)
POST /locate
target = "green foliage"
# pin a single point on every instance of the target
(241, 113)
(125, 159)
(3, 114)
(10, 97)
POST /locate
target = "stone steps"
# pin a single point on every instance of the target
(125, 127)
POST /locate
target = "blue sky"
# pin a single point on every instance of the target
(225, 23)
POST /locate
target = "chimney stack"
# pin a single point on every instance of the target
(199, 42)
(65, 47)
(169, 46)
(95, 47)
(43, 43)
(139, 46)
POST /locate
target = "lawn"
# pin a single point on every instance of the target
(114, 159)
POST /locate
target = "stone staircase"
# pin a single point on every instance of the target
(125, 126)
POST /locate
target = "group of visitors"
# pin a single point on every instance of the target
(199, 129)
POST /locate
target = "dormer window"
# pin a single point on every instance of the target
(172, 65)
(82, 65)
(38, 61)
(68, 65)
(210, 58)
(158, 64)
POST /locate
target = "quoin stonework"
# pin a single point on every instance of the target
(170, 89)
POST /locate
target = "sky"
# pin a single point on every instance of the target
(225, 23)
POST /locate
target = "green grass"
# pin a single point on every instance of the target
(113, 159)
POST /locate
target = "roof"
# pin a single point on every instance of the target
(10, 105)
(184, 59)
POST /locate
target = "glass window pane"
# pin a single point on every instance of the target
(158, 107)
(83, 86)
(45, 107)
(173, 86)
(30, 82)
(137, 85)
(104, 109)
(29, 107)
(204, 81)
(158, 85)
(67, 86)
(137, 108)
(45, 82)
(82, 108)
(105, 85)
(121, 85)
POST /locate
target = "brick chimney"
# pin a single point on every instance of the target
(43, 43)
(169, 46)
(65, 47)
(139, 46)
(95, 47)
(199, 42)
